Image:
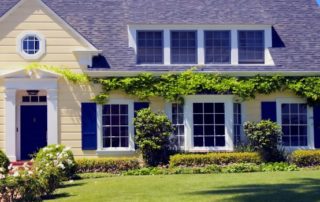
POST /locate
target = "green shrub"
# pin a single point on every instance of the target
(305, 158)
(109, 165)
(4, 163)
(278, 166)
(152, 136)
(21, 185)
(56, 156)
(264, 137)
(242, 168)
(218, 158)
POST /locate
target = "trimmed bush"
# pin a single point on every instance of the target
(109, 165)
(305, 158)
(264, 137)
(57, 156)
(4, 163)
(152, 136)
(242, 168)
(218, 158)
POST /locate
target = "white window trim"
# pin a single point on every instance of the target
(281, 101)
(120, 150)
(42, 45)
(188, 110)
(168, 111)
(132, 30)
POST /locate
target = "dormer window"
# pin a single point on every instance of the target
(209, 45)
(217, 47)
(31, 45)
(183, 47)
(251, 47)
(150, 47)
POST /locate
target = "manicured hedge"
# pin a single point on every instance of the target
(109, 165)
(305, 158)
(218, 158)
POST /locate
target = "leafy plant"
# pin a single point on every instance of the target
(4, 163)
(264, 137)
(109, 165)
(152, 136)
(57, 156)
(216, 158)
(305, 158)
(242, 168)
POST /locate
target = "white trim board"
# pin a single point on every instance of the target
(279, 102)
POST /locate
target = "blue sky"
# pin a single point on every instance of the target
(318, 1)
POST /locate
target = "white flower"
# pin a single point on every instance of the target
(69, 162)
(1, 169)
(61, 166)
(16, 174)
(30, 172)
(10, 167)
(57, 146)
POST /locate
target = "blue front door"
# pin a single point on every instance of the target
(33, 130)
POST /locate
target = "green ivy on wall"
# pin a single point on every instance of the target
(173, 87)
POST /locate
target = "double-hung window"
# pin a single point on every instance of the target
(178, 123)
(251, 47)
(208, 124)
(184, 47)
(237, 124)
(150, 47)
(115, 121)
(294, 121)
(217, 47)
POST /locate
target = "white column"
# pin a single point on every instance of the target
(99, 127)
(167, 44)
(11, 133)
(188, 129)
(201, 60)
(52, 106)
(234, 47)
(229, 124)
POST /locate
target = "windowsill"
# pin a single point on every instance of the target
(115, 151)
(293, 148)
(208, 149)
(222, 65)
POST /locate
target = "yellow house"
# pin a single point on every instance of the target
(121, 38)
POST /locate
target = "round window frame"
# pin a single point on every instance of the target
(42, 45)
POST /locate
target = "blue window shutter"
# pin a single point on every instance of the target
(316, 120)
(89, 126)
(269, 111)
(140, 105)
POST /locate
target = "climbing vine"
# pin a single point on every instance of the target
(173, 87)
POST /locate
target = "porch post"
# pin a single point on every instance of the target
(52, 105)
(10, 127)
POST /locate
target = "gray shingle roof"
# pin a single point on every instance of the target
(104, 24)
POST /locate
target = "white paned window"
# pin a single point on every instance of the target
(237, 124)
(294, 119)
(178, 123)
(209, 124)
(31, 45)
(115, 123)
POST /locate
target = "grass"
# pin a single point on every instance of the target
(269, 186)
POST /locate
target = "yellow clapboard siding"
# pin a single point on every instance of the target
(70, 136)
(49, 50)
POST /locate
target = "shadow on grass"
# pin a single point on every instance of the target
(56, 196)
(74, 184)
(306, 189)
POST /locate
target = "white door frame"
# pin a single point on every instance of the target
(17, 83)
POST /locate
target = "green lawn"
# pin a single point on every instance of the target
(278, 186)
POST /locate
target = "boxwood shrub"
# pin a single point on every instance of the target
(305, 158)
(4, 163)
(218, 158)
(109, 165)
